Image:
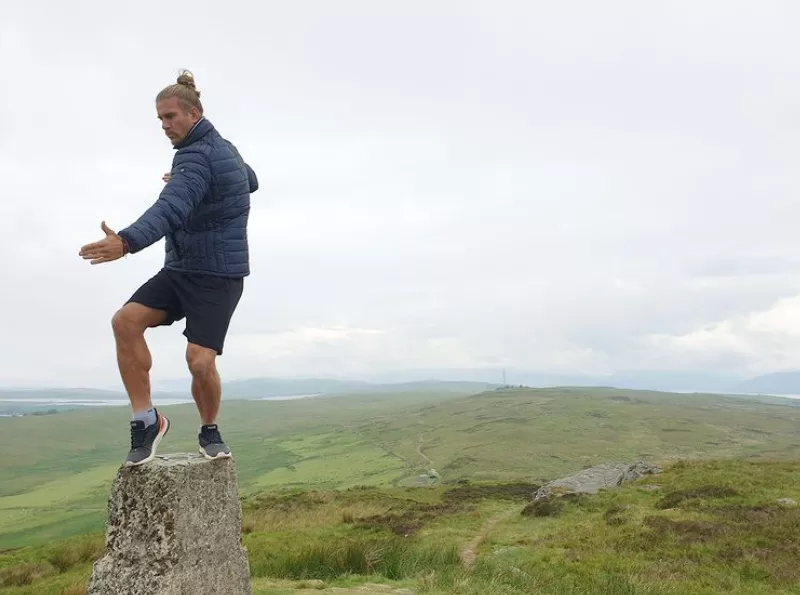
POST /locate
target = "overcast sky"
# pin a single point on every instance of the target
(572, 186)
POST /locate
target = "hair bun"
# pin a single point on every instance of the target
(186, 79)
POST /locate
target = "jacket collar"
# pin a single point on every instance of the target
(198, 131)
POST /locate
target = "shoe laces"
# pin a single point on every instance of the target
(137, 435)
(211, 434)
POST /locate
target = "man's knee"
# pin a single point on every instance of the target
(201, 361)
(125, 324)
(134, 319)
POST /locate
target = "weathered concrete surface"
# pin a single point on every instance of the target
(590, 481)
(174, 528)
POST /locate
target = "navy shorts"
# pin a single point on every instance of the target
(206, 301)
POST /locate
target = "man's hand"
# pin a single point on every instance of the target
(108, 249)
(166, 176)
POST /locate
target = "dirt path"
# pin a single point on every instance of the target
(421, 442)
(382, 445)
(470, 551)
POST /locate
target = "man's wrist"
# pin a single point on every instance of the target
(125, 246)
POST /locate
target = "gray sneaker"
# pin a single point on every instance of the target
(145, 440)
(211, 444)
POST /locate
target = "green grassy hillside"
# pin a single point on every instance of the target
(700, 527)
(57, 468)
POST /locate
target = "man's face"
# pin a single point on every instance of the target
(175, 120)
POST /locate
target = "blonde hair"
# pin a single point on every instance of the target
(185, 90)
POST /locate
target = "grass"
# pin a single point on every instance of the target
(57, 485)
(723, 532)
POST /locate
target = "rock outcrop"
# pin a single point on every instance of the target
(590, 481)
(174, 528)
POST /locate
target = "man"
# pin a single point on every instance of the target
(202, 212)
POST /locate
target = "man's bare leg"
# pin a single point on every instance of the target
(133, 356)
(207, 394)
(206, 385)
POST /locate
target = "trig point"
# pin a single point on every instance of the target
(174, 528)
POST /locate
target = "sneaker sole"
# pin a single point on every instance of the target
(163, 429)
(221, 455)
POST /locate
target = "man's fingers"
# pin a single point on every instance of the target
(101, 258)
(93, 247)
(105, 250)
(95, 250)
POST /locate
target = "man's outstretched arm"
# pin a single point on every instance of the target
(186, 188)
(184, 191)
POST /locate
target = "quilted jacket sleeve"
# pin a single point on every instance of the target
(251, 176)
(189, 184)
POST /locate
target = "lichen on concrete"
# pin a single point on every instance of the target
(174, 528)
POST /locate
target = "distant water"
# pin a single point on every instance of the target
(287, 398)
(714, 392)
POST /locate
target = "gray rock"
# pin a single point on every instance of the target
(787, 502)
(590, 481)
(174, 528)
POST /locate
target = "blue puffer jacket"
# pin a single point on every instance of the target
(203, 209)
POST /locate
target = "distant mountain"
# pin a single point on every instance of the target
(274, 387)
(458, 386)
(678, 380)
(279, 387)
(268, 387)
(781, 383)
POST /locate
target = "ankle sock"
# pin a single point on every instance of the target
(148, 416)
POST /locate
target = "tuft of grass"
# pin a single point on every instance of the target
(76, 589)
(391, 558)
(686, 530)
(25, 574)
(673, 499)
(615, 515)
(467, 492)
(75, 552)
(546, 507)
(65, 566)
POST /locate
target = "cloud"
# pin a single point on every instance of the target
(761, 341)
